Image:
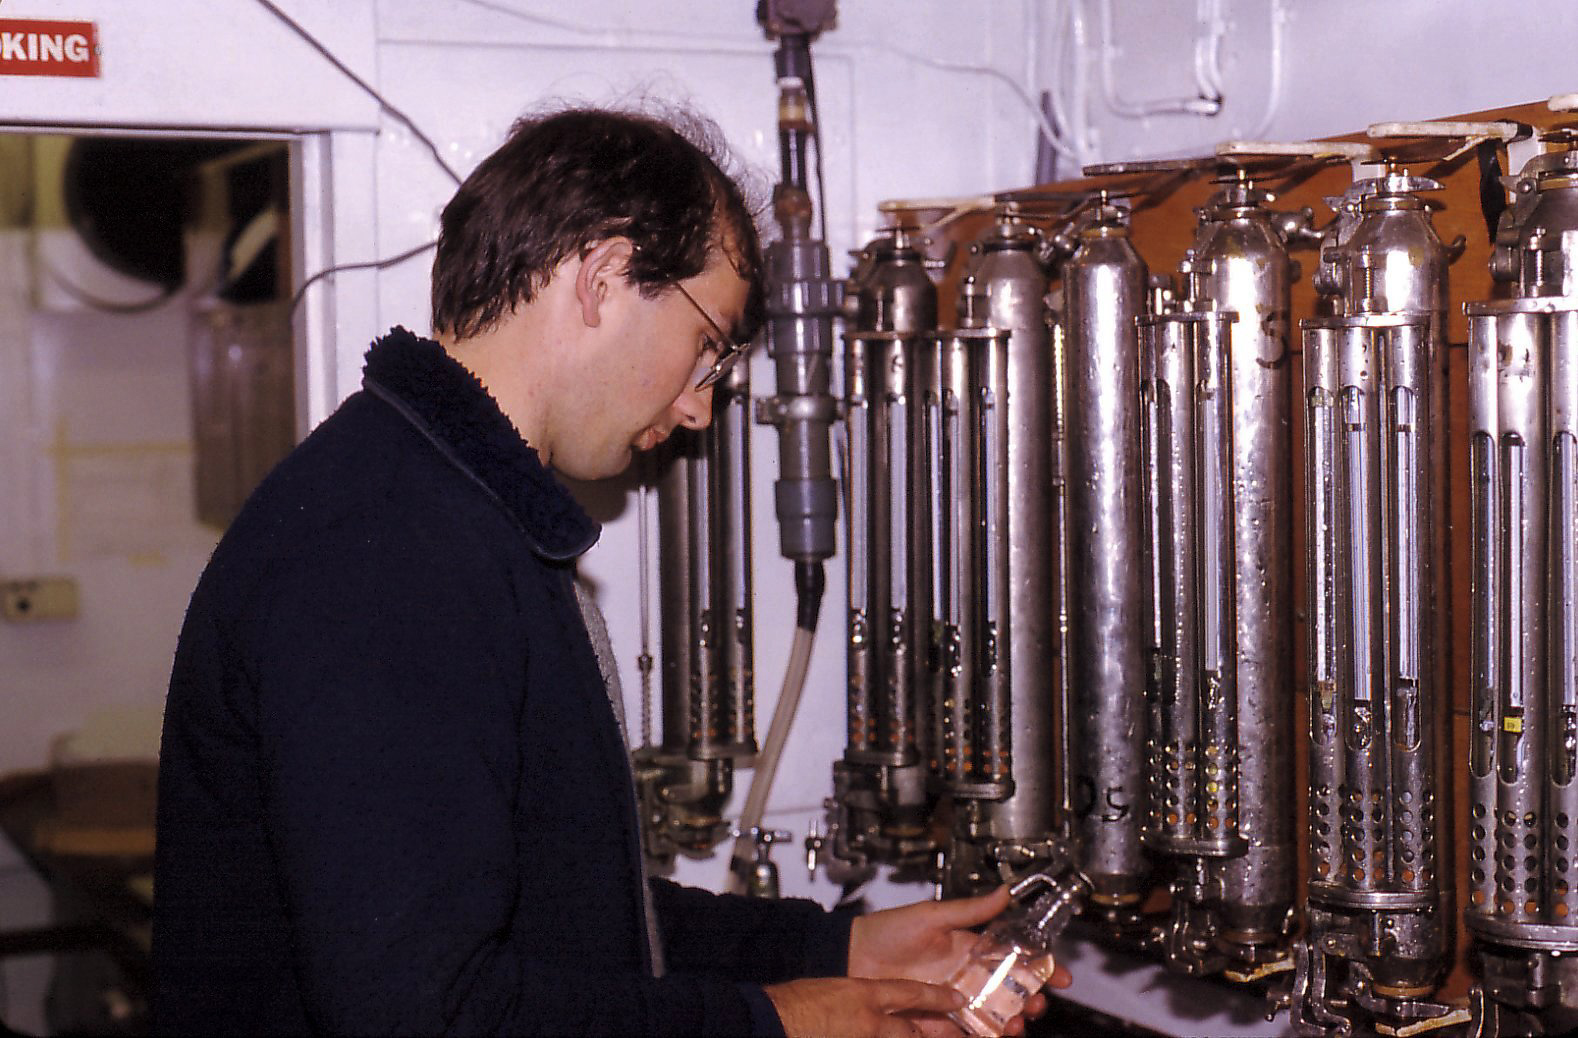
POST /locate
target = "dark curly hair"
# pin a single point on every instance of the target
(564, 181)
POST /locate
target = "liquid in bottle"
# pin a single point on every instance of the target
(1013, 959)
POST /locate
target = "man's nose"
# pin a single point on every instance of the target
(694, 407)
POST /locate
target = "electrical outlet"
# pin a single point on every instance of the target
(38, 598)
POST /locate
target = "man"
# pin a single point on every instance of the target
(394, 796)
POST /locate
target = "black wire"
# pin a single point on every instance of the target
(1492, 196)
(350, 74)
(384, 103)
(816, 138)
(295, 300)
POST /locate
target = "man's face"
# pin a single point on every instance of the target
(640, 385)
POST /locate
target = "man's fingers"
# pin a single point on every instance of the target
(965, 912)
(901, 996)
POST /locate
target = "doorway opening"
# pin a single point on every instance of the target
(147, 383)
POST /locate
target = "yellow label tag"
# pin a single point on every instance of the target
(1512, 724)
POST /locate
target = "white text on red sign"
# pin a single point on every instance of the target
(32, 47)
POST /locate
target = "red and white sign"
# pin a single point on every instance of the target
(31, 47)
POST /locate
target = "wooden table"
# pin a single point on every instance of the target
(107, 871)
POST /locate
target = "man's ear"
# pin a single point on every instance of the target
(603, 263)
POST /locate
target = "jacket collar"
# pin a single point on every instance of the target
(433, 391)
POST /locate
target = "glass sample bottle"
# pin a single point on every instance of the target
(1013, 958)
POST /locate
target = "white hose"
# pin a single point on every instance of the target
(767, 760)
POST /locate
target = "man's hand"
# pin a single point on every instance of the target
(929, 941)
(836, 1007)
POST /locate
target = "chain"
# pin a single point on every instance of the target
(644, 537)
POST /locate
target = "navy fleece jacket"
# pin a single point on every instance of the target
(393, 796)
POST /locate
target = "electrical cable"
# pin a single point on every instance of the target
(1199, 105)
(1061, 146)
(372, 91)
(816, 139)
(510, 10)
(538, 19)
(1208, 49)
(386, 105)
(1060, 108)
(1044, 166)
(1079, 104)
(1047, 127)
(1207, 69)
(295, 300)
(1277, 72)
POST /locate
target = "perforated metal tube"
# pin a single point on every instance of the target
(1192, 758)
(704, 590)
(881, 807)
(1524, 397)
(1523, 431)
(1375, 432)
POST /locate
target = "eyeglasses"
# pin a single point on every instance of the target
(719, 356)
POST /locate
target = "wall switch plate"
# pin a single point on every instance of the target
(38, 598)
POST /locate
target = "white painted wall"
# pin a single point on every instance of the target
(1294, 70)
